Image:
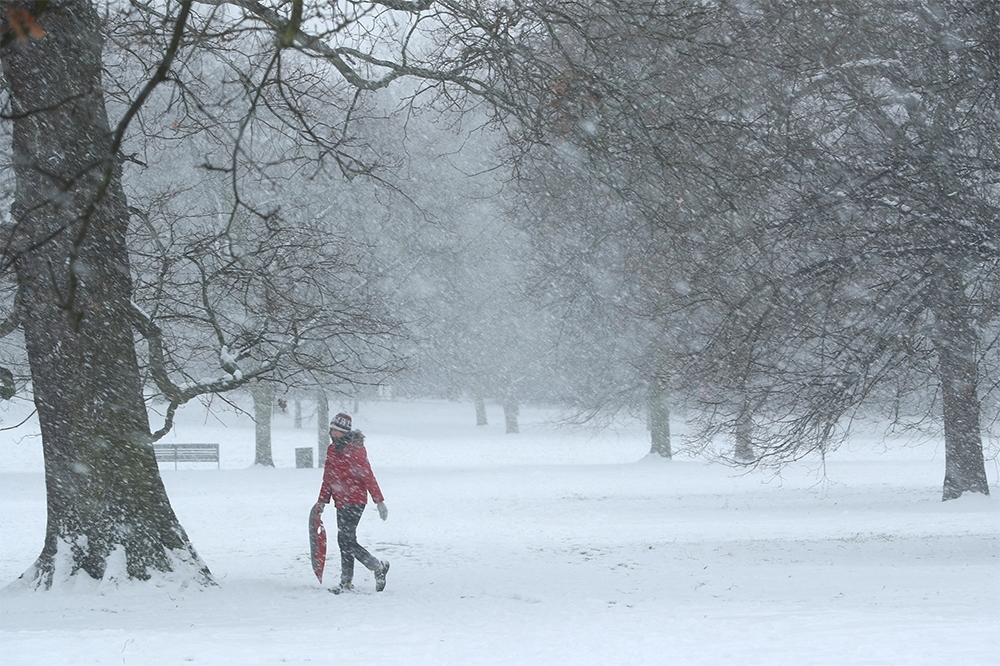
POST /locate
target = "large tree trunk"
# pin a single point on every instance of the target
(263, 404)
(955, 342)
(108, 514)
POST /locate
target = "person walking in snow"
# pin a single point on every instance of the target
(348, 479)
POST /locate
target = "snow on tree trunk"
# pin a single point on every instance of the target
(109, 518)
(263, 404)
(955, 342)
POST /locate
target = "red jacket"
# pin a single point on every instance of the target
(348, 477)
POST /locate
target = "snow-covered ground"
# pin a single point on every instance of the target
(547, 547)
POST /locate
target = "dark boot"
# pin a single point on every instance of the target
(380, 572)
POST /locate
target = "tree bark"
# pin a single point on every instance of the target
(659, 421)
(108, 514)
(480, 409)
(955, 343)
(743, 451)
(322, 426)
(510, 414)
(263, 403)
(659, 406)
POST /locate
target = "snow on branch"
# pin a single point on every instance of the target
(179, 394)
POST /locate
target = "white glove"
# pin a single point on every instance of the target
(383, 511)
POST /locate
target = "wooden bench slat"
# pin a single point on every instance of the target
(187, 452)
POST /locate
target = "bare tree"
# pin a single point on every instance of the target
(853, 277)
(109, 516)
(878, 250)
(808, 232)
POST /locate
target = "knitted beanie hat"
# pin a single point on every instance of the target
(341, 422)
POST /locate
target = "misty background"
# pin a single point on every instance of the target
(744, 214)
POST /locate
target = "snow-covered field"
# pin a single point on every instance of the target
(548, 547)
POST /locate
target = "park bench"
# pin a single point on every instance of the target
(187, 453)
